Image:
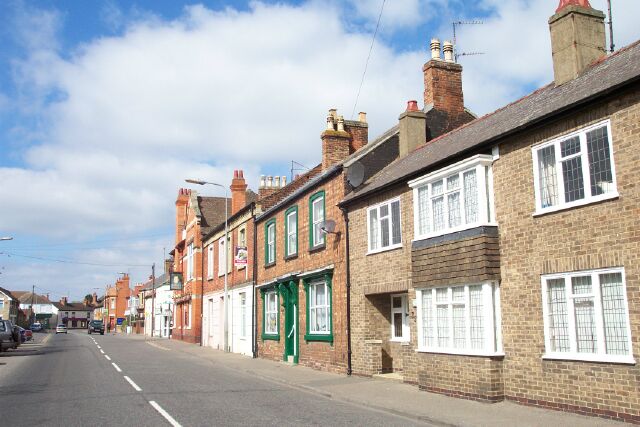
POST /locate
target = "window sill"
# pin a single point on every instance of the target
(385, 249)
(269, 337)
(400, 340)
(598, 358)
(290, 257)
(584, 202)
(459, 352)
(317, 248)
(270, 265)
(417, 238)
(314, 337)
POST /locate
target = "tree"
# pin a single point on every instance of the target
(88, 299)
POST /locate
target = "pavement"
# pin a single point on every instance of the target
(384, 395)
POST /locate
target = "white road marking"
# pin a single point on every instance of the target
(158, 346)
(165, 414)
(108, 358)
(134, 385)
(98, 346)
(102, 351)
(117, 367)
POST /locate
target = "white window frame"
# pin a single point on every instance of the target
(404, 309)
(113, 303)
(315, 221)
(268, 312)
(222, 256)
(481, 163)
(190, 261)
(586, 175)
(327, 305)
(573, 354)
(210, 261)
(271, 243)
(376, 208)
(292, 232)
(492, 323)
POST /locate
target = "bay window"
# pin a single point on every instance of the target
(586, 316)
(460, 319)
(455, 198)
(575, 169)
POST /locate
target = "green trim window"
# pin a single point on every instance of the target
(291, 231)
(316, 220)
(271, 315)
(270, 242)
(319, 308)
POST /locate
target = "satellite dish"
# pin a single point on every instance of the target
(355, 174)
(329, 226)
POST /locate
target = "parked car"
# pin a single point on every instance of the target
(96, 326)
(61, 329)
(36, 327)
(9, 336)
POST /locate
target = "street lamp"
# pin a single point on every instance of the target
(226, 261)
(6, 238)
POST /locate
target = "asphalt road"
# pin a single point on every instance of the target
(79, 379)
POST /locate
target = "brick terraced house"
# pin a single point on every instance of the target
(515, 274)
(195, 217)
(238, 256)
(117, 303)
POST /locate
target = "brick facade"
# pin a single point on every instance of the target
(595, 236)
(331, 356)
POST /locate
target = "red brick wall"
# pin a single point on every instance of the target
(319, 355)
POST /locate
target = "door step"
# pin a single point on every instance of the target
(392, 376)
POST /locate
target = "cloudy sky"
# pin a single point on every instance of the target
(107, 106)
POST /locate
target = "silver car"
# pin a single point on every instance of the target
(61, 329)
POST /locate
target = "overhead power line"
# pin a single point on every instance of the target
(64, 244)
(64, 261)
(366, 64)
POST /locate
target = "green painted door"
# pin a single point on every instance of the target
(289, 293)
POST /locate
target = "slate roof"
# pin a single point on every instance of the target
(8, 293)
(25, 298)
(73, 306)
(212, 212)
(160, 280)
(603, 77)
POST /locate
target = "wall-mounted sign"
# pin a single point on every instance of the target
(120, 320)
(241, 256)
(175, 283)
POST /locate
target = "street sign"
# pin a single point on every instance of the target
(120, 320)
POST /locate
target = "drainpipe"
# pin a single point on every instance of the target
(254, 278)
(345, 214)
(202, 287)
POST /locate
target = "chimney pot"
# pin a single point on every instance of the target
(283, 181)
(269, 181)
(262, 181)
(565, 3)
(362, 117)
(330, 122)
(235, 173)
(333, 113)
(276, 181)
(448, 51)
(340, 124)
(241, 173)
(435, 49)
(412, 105)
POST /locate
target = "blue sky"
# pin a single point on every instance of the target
(107, 106)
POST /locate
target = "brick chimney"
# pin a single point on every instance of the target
(181, 211)
(238, 191)
(443, 87)
(359, 132)
(63, 301)
(577, 38)
(336, 141)
(270, 184)
(168, 265)
(412, 128)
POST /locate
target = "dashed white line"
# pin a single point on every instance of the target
(117, 367)
(164, 413)
(99, 346)
(102, 351)
(134, 385)
(108, 358)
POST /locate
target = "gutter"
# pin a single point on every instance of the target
(345, 213)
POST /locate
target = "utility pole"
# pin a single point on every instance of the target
(153, 297)
(33, 315)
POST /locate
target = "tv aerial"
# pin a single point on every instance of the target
(455, 24)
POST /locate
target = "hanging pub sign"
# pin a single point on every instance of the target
(175, 284)
(241, 256)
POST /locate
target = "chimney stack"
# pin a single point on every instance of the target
(238, 191)
(270, 185)
(412, 128)
(181, 211)
(577, 38)
(343, 137)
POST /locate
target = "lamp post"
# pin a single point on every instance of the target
(6, 238)
(226, 262)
